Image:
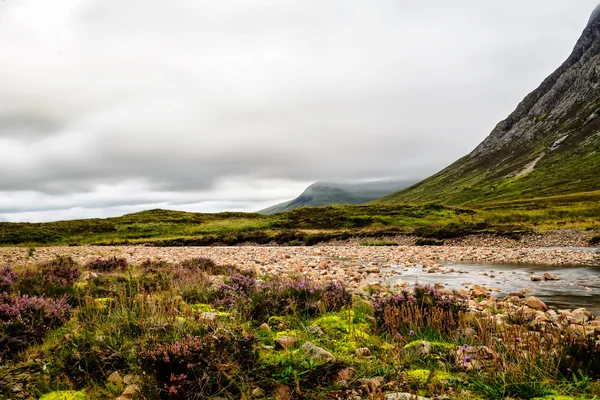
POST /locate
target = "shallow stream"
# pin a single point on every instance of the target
(577, 286)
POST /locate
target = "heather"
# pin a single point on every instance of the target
(193, 329)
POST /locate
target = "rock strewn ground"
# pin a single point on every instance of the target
(359, 265)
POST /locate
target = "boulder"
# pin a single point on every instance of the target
(536, 304)
(363, 352)
(403, 396)
(415, 351)
(285, 342)
(475, 357)
(131, 392)
(114, 378)
(535, 278)
(371, 384)
(548, 277)
(316, 353)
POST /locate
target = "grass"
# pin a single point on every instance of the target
(309, 226)
(141, 323)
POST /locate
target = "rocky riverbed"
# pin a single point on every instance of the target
(503, 269)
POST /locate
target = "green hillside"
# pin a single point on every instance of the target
(550, 145)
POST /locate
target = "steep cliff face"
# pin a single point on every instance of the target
(549, 145)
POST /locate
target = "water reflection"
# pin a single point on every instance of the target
(577, 287)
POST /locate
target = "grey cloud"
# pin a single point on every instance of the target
(185, 96)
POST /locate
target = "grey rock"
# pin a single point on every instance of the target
(316, 353)
(403, 396)
(416, 351)
(363, 352)
(285, 342)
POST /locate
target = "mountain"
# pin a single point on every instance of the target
(549, 145)
(327, 194)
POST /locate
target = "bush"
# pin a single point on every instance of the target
(422, 306)
(25, 319)
(51, 279)
(7, 279)
(336, 297)
(62, 271)
(198, 367)
(581, 356)
(284, 297)
(107, 264)
(595, 240)
(199, 263)
(236, 290)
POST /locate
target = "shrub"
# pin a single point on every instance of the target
(284, 297)
(595, 240)
(582, 356)
(7, 279)
(422, 306)
(54, 278)
(107, 264)
(336, 297)
(201, 264)
(62, 271)
(237, 289)
(198, 367)
(25, 319)
(192, 284)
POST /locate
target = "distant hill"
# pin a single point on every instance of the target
(550, 145)
(327, 194)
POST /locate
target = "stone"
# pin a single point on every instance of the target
(257, 392)
(208, 316)
(536, 278)
(536, 304)
(371, 384)
(363, 352)
(131, 379)
(343, 377)
(285, 342)
(403, 396)
(131, 392)
(315, 330)
(475, 357)
(317, 353)
(265, 328)
(548, 277)
(114, 378)
(415, 351)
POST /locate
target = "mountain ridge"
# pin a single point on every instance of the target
(336, 193)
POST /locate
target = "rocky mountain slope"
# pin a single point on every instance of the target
(327, 194)
(549, 145)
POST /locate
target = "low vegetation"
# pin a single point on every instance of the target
(194, 329)
(309, 226)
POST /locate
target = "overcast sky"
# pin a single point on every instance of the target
(114, 106)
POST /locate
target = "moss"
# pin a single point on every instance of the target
(80, 285)
(421, 375)
(343, 325)
(436, 347)
(64, 395)
(201, 307)
(292, 333)
(103, 302)
(283, 322)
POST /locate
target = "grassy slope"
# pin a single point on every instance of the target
(311, 225)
